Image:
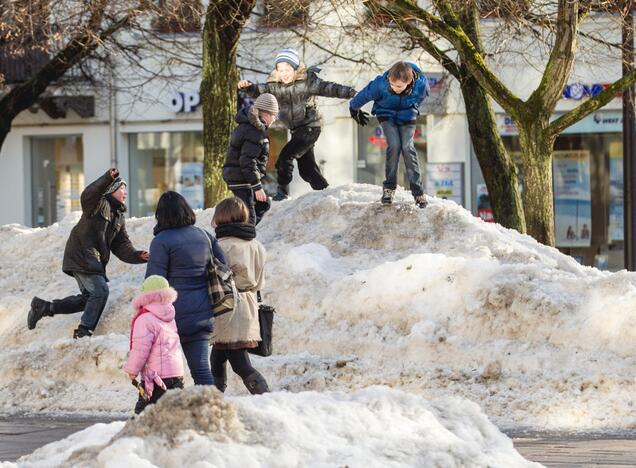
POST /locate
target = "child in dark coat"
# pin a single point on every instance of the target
(396, 96)
(246, 159)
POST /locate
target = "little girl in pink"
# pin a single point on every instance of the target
(155, 350)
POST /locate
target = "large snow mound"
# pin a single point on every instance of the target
(434, 302)
(376, 426)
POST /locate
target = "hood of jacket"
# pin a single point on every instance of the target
(159, 303)
(250, 116)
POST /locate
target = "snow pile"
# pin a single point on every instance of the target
(376, 426)
(433, 302)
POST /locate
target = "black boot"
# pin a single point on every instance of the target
(39, 308)
(282, 193)
(81, 331)
(220, 382)
(387, 196)
(256, 383)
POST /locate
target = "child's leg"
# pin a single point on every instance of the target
(247, 195)
(158, 392)
(407, 134)
(240, 362)
(261, 208)
(302, 140)
(392, 136)
(307, 167)
(218, 359)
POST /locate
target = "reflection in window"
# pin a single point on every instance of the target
(165, 161)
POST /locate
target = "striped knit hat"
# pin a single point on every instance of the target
(289, 56)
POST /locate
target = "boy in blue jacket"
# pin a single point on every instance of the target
(397, 95)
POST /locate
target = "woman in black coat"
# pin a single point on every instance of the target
(180, 252)
(295, 86)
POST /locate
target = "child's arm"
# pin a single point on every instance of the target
(319, 87)
(370, 92)
(142, 340)
(253, 89)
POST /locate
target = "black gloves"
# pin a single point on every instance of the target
(359, 116)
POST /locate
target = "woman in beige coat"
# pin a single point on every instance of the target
(237, 331)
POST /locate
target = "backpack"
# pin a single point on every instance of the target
(221, 286)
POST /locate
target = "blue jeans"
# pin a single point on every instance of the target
(399, 138)
(92, 300)
(196, 354)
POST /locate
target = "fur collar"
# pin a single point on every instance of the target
(161, 296)
(254, 119)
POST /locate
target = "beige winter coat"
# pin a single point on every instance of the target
(240, 328)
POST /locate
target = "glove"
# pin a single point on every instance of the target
(359, 116)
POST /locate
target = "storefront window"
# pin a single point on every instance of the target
(57, 178)
(165, 161)
(372, 154)
(277, 139)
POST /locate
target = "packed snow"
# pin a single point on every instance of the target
(376, 426)
(433, 302)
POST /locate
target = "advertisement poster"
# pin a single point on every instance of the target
(484, 210)
(572, 198)
(615, 208)
(190, 183)
(446, 181)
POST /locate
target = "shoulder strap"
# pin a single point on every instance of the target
(205, 233)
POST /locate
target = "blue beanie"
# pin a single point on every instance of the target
(289, 56)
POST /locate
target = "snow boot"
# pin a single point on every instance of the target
(282, 193)
(39, 308)
(81, 331)
(420, 201)
(256, 383)
(220, 382)
(387, 196)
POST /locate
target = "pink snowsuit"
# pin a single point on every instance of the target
(155, 349)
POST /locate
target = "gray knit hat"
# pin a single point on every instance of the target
(118, 182)
(268, 103)
(289, 56)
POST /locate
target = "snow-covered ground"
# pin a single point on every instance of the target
(432, 302)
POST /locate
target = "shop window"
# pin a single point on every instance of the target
(165, 161)
(178, 16)
(278, 137)
(372, 154)
(57, 178)
(284, 13)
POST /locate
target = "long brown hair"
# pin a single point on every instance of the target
(230, 211)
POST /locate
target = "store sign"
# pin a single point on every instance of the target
(599, 122)
(572, 198)
(578, 91)
(186, 101)
(446, 180)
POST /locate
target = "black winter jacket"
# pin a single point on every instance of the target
(295, 99)
(101, 228)
(246, 158)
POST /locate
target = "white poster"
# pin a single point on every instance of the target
(446, 180)
(190, 183)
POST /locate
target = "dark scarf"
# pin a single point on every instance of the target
(115, 204)
(240, 230)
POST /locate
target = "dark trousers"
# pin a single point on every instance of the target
(158, 392)
(239, 360)
(92, 300)
(399, 139)
(196, 354)
(256, 208)
(301, 147)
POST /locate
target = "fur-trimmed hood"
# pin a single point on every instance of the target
(251, 116)
(158, 302)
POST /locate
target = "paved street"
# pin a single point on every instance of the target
(20, 436)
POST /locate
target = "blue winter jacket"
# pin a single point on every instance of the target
(399, 108)
(181, 255)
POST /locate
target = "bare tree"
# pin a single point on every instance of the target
(558, 22)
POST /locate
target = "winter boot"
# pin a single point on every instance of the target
(81, 331)
(256, 383)
(39, 308)
(387, 196)
(420, 201)
(282, 193)
(220, 382)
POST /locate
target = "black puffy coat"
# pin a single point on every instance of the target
(100, 230)
(246, 158)
(295, 99)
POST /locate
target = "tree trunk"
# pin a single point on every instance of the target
(223, 24)
(500, 172)
(536, 147)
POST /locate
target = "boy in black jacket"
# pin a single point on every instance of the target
(246, 159)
